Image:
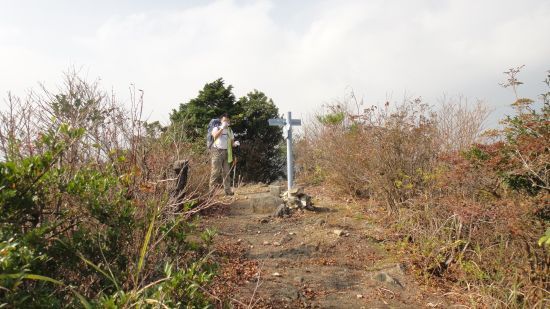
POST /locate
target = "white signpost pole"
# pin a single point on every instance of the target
(287, 124)
(289, 157)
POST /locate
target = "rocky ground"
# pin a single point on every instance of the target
(334, 257)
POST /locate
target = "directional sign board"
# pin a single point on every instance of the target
(287, 125)
(282, 122)
(277, 122)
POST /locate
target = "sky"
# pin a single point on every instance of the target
(302, 54)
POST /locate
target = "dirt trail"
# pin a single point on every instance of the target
(303, 262)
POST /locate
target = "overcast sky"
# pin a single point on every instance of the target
(300, 53)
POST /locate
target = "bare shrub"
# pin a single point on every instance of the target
(388, 153)
(470, 230)
(326, 149)
(468, 212)
(459, 123)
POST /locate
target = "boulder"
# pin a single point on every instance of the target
(275, 189)
(264, 203)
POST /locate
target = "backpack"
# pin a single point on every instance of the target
(211, 125)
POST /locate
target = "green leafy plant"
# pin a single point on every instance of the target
(545, 239)
(73, 202)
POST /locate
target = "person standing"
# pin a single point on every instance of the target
(222, 154)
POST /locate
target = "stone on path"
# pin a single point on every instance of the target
(385, 277)
(341, 233)
(281, 211)
(264, 203)
(297, 191)
(275, 190)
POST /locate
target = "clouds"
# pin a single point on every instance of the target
(303, 53)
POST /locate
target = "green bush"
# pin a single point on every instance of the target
(80, 225)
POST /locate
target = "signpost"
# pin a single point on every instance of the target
(287, 124)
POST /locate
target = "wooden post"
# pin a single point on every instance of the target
(181, 168)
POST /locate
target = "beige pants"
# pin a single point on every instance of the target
(220, 169)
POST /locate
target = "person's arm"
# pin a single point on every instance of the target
(216, 132)
(235, 143)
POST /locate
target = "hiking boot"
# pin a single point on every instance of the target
(230, 193)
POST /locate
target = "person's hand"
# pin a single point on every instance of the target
(236, 144)
(224, 125)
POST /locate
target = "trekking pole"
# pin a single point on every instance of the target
(234, 171)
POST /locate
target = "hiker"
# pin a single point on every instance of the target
(221, 142)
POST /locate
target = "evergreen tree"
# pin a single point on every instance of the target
(259, 157)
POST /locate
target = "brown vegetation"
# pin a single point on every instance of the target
(468, 214)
